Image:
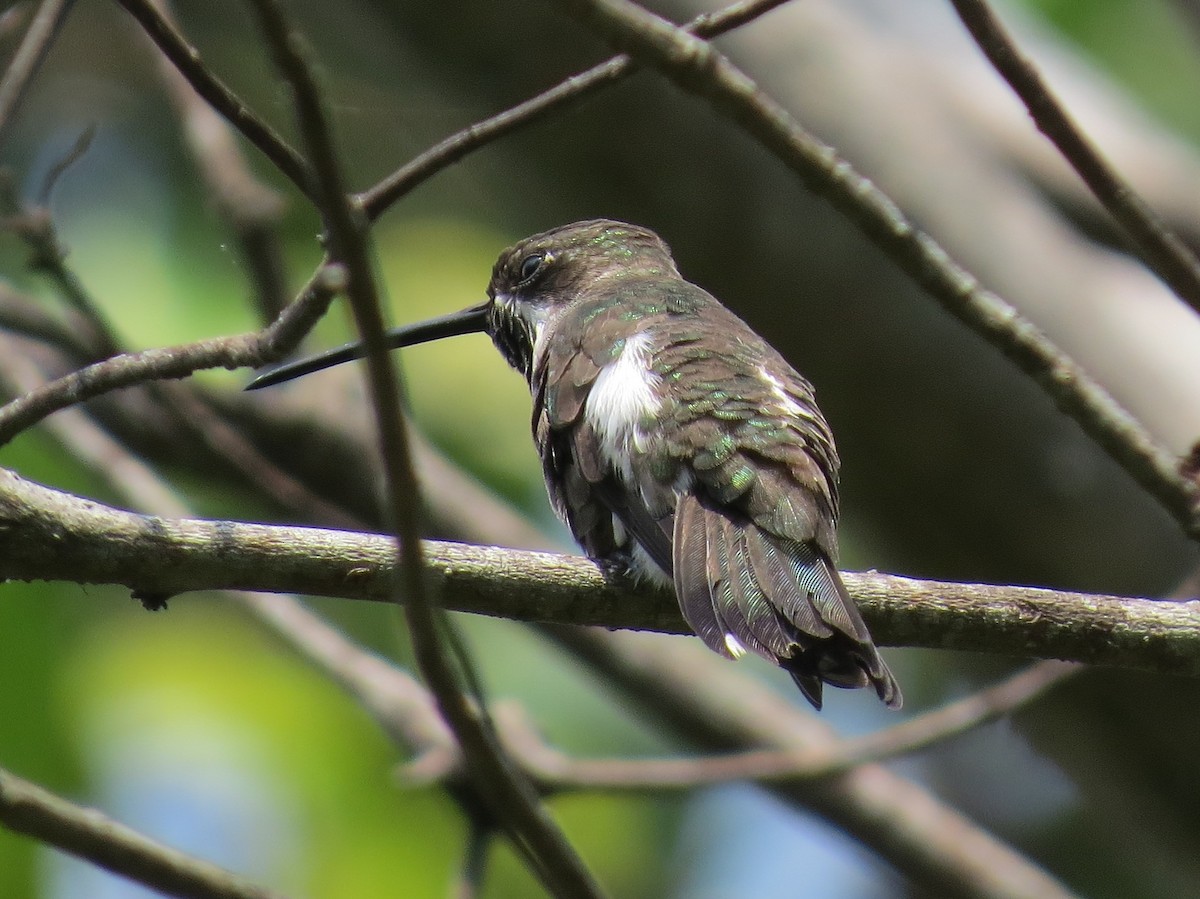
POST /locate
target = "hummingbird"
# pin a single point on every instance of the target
(677, 445)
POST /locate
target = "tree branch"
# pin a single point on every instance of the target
(507, 793)
(27, 808)
(49, 535)
(186, 59)
(697, 67)
(376, 200)
(677, 684)
(556, 770)
(28, 59)
(251, 209)
(1161, 249)
(128, 369)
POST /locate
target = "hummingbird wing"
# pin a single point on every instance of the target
(754, 536)
(726, 481)
(585, 487)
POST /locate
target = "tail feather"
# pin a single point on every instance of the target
(740, 586)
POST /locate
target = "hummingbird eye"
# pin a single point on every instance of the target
(530, 266)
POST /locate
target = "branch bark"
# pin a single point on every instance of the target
(49, 535)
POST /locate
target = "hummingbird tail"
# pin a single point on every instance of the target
(847, 657)
(743, 588)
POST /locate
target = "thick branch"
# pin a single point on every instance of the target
(48, 535)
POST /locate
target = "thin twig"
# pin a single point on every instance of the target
(128, 369)
(1160, 248)
(70, 334)
(697, 67)
(509, 795)
(29, 809)
(35, 227)
(186, 59)
(680, 687)
(555, 770)
(28, 59)
(251, 209)
(376, 200)
(210, 428)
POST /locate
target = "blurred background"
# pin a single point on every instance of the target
(197, 727)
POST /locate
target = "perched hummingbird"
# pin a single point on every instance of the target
(677, 445)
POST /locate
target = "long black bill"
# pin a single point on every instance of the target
(468, 321)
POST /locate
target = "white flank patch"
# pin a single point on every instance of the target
(786, 403)
(644, 567)
(623, 395)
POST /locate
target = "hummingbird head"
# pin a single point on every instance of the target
(533, 283)
(537, 279)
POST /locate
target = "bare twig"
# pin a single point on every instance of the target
(33, 224)
(510, 797)
(1161, 249)
(25, 62)
(125, 370)
(27, 808)
(208, 426)
(251, 209)
(186, 59)
(376, 200)
(940, 849)
(696, 66)
(559, 771)
(22, 314)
